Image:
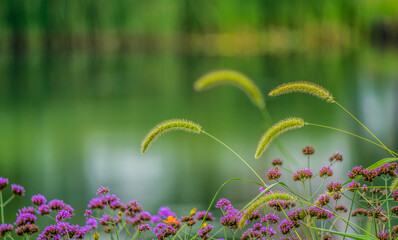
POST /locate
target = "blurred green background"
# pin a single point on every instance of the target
(83, 81)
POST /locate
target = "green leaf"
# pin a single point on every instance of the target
(349, 235)
(381, 162)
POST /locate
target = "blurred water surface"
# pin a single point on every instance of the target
(70, 122)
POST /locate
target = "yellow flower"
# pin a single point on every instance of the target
(96, 236)
(171, 219)
(193, 211)
(204, 225)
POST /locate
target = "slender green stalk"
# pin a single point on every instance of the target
(309, 182)
(125, 228)
(388, 209)
(374, 217)
(113, 222)
(225, 233)
(312, 196)
(8, 200)
(392, 153)
(179, 230)
(349, 214)
(352, 134)
(235, 155)
(2, 207)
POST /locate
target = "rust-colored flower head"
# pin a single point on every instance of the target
(308, 150)
(277, 161)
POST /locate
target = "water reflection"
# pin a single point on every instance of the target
(72, 122)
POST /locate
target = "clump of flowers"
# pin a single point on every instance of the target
(302, 175)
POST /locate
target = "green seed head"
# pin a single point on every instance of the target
(303, 87)
(237, 79)
(169, 125)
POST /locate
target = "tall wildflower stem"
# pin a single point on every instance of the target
(352, 134)
(309, 182)
(338, 104)
(349, 214)
(230, 149)
(127, 230)
(1, 207)
(113, 222)
(388, 208)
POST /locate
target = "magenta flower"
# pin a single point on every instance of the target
(4, 229)
(302, 175)
(3, 183)
(286, 226)
(326, 172)
(144, 227)
(102, 190)
(38, 200)
(273, 174)
(62, 215)
(223, 203)
(17, 190)
(44, 210)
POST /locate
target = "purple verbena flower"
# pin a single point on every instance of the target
(17, 190)
(144, 227)
(302, 175)
(62, 215)
(56, 204)
(277, 161)
(50, 232)
(273, 174)
(325, 172)
(155, 219)
(28, 229)
(31, 210)
(164, 212)
(102, 191)
(286, 226)
(4, 229)
(3, 183)
(270, 218)
(106, 219)
(356, 171)
(323, 200)
(203, 232)
(24, 219)
(320, 213)
(44, 210)
(38, 200)
(91, 223)
(88, 213)
(96, 203)
(267, 232)
(353, 186)
(132, 208)
(201, 215)
(334, 186)
(223, 203)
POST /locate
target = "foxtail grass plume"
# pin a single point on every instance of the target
(277, 129)
(237, 79)
(169, 125)
(303, 87)
(261, 201)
